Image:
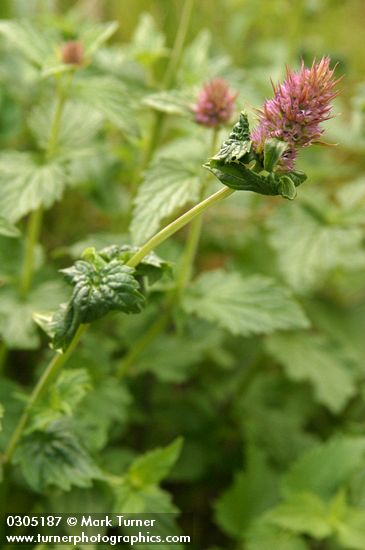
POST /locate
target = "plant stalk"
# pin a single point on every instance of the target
(177, 224)
(35, 219)
(60, 359)
(47, 377)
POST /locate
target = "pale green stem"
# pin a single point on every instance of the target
(177, 224)
(141, 344)
(178, 47)
(193, 239)
(33, 232)
(60, 359)
(48, 376)
(35, 219)
(3, 356)
(168, 81)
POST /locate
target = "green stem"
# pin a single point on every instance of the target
(35, 220)
(177, 224)
(3, 356)
(192, 243)
(48, 376)
(33, 232)
(60, 359)
(175, 58)
(178, 46)
(142, 344)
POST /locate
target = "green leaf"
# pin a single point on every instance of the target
(16, 314)
(147, 44)
(36, 45)
(148, 499)
(273, 151)
(268, 537)
(151, 266)
(303, 513)
(238, 142)
(351, 531)
(65, 394)
(26, 185)
(252, 492)
(154, 466)
(78, 127)
(99, 287)
(54, 458)
(287, 188)
(324, 365)
(1, 416)
(194, 67)
(172, 102)
(254, 305)
(168, 186)
(8, 229)
(309, 248)
(95, 35)
(112, 99)
(326, 467)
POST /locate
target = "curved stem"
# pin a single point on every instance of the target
(48, 376)
(60, 359)
(177, 224)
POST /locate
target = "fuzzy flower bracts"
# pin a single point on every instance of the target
(296, 111)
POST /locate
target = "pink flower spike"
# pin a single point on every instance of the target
(215, 104)
(298, 107)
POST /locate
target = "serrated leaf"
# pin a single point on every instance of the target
(79, 124)
(309, 249)
(237, 144)
(149, 499)
(254, 305)
(54, 458)
(16, 314)
(8, 229)
(64, 395)
(326, 467)
(154, 466)
(98, 289)
(303, 513)
(95, 35)
(172, 102)
(325, 366)
(351, 530)
(26, 185)
(112, 99)
(252, 492)
(168, 186)
(36, 45)
(264, 536)
(148, 43)
(151, 266)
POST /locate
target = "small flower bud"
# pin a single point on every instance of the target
(72, 53)
(215, 104)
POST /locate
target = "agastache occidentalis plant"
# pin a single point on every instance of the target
(261, 161)
(300, 104)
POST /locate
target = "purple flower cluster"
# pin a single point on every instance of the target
(215, 104)
(298, 107)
